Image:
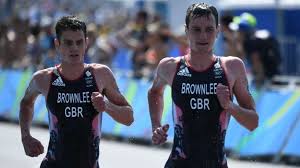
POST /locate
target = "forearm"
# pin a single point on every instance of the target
(246, 117)
(156, 105)
(25, 118)
(121, 114)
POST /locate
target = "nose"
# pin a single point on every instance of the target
(202, 35)
(74, 47)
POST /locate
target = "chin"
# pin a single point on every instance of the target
(74, 62)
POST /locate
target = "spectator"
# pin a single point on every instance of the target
(100, 50)
(133, 36)
(260, 47)
(157, 48)
(226, 44)
(49, 58)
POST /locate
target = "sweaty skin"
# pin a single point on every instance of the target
(72, 47)
(201, 34)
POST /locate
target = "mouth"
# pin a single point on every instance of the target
(199, 43)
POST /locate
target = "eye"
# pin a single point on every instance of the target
(196, 29)
(79, 42)
(210, 29)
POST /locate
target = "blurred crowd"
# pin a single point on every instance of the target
(27, 30)
(258, 48)
(27, 34)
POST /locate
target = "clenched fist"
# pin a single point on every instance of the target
(160, 134)
(32, 146)
(98, 101)
(223, 95)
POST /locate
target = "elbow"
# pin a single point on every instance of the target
(253, 127)
(154, 93)
(254, 124)
(23, 103)
(150, 92)
(130, 119)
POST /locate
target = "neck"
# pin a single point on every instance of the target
(71, 71)
(200, 61)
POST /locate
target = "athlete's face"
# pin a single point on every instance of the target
(72, 46)
(202, 32)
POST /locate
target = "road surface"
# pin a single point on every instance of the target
(113, 154)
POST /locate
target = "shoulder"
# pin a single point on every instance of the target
(40, 80)
(232, 63)
(235, 69)
(102, 72)
(168, 63)
(42, 75)
(100, 68)
(170, 60)
(167, 68)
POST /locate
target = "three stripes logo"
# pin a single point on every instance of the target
(58, 82)
(184, 72)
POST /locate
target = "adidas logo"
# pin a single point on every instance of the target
(217, 65)
(184, 72)
(58, 82)
(88, 73)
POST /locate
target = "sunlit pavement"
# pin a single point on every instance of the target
(113, 154)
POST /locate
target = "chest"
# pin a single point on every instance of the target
(196, 91)
(71, 99)
(189, 81)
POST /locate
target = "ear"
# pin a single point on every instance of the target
(186, 29)
(87, 41)
(56, 42)
(218, 30)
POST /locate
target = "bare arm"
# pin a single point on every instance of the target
(156, 101)
(245, 112)
(32, 146)
(26, 108)
(163, 77)
(116, 105)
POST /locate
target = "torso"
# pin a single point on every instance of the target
(74, 124)
(200, 122)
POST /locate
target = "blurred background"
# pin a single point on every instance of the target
(132, 36)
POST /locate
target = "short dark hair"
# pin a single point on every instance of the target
(142, 14)
(201, 9)
(226, 18)
(69, 23)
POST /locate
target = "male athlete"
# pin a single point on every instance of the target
(76, 95)
(202, 86)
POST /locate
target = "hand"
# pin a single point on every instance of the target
(223, 95)
(160, 134)
(98, 101)
(32, 146)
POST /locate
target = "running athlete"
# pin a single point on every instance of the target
(76, 95)
(202, 87)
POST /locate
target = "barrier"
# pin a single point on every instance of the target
(278, 134)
